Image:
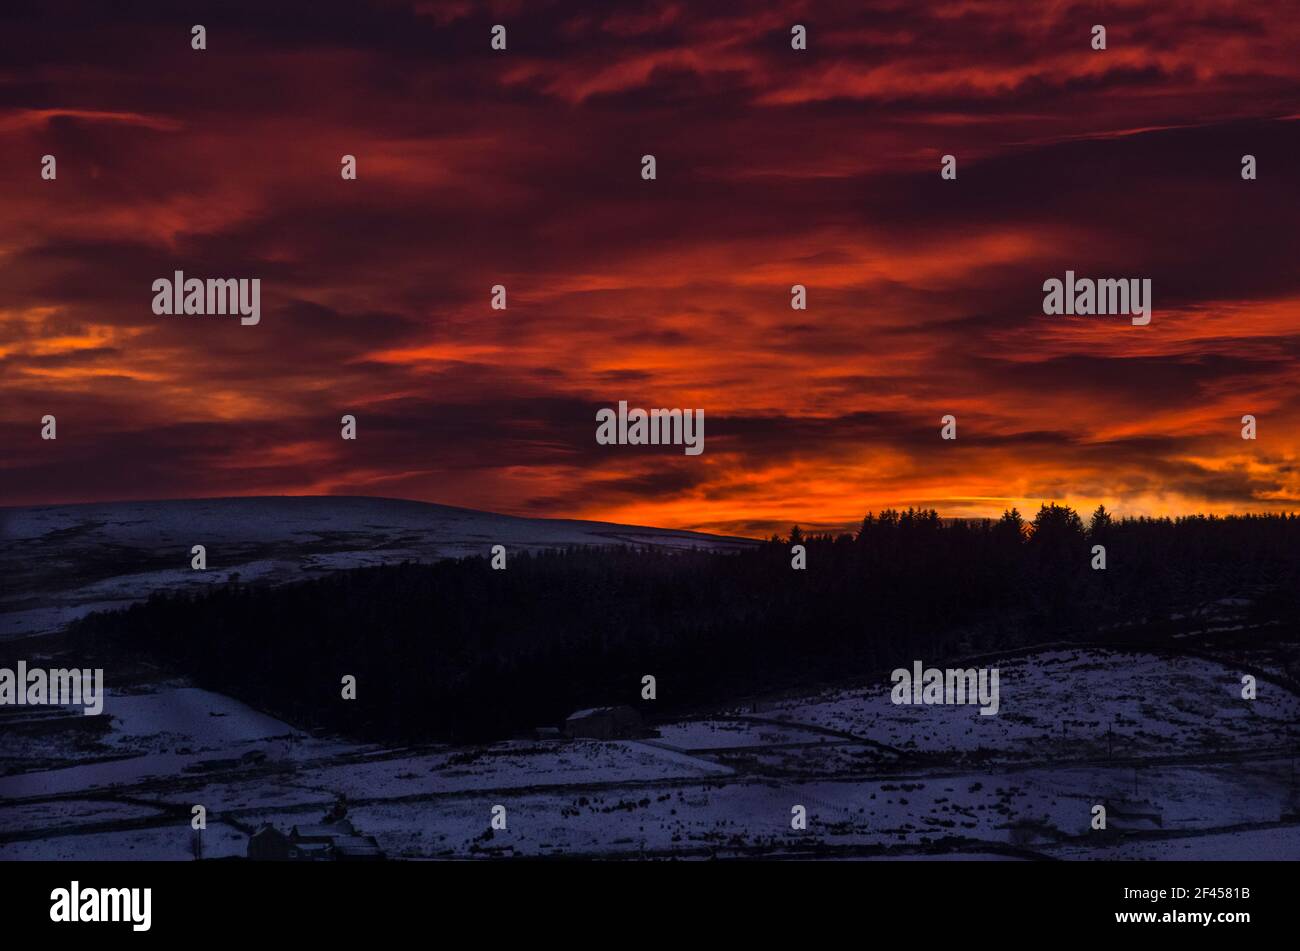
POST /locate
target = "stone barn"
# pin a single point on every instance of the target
(604, 723)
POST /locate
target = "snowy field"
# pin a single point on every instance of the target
(1191, 771)
(1089, 701)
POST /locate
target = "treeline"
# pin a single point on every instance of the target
(456, 650)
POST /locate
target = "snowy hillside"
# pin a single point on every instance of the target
(61, 562)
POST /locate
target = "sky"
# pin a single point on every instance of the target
(774, 167)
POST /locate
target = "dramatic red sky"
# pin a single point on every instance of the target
(775, 167)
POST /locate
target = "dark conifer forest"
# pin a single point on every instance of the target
(458, 651)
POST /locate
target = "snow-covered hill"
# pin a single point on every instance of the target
(63, 561)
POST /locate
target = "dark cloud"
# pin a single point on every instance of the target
(521, 168)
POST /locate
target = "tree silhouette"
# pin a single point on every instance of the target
(1100, 523)
(454, 650)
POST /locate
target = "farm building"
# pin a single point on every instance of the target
(604, 723)
(330, 841)
(1130, 815)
